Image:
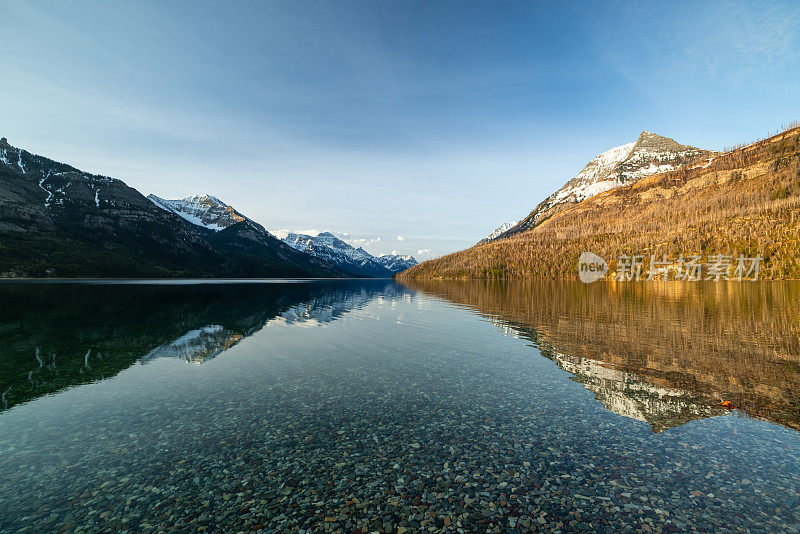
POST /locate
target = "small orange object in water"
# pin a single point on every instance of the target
(727, 404)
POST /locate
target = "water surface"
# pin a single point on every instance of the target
(334, 406)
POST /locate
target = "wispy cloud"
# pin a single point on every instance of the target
(362, 241)
(282, 233)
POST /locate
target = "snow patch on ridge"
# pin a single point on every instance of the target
(503, 228)
(19, 161)
(201, 210)
(650, 154)
(586, 183)
(358, 261)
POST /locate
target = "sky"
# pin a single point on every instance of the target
(415, 127)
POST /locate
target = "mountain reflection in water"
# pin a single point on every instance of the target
(54, 336)
(663, 353)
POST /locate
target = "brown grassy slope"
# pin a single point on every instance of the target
(744, 201)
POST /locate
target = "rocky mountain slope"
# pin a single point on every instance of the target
(649, 154)
(357, 261)
(745, 201)
(202, 210)
(56, 220)
(397, 262)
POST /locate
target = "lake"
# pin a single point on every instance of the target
(364, 406)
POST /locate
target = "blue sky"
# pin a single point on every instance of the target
(433, 122)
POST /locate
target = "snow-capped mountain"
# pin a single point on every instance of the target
(201, 210)
(348, 258)
(86, 224)
(650, 154)
(396, 262)
(39, 193)
(330, 248)
(498, 231)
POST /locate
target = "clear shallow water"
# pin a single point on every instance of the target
(322, 406)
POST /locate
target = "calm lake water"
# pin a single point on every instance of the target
(362, 406)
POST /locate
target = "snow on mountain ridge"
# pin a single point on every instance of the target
(210, 212)
(498, 231)
(358, 261)
(330, 248)
(649, 154)
(202, 210)
(585, 184)
(397, 262)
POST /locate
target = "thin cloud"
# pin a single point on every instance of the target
(362, 241)
(282, 233)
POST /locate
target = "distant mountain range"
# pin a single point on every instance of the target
(330, 248)
(397, 263)
(59, 221)
(649, 154)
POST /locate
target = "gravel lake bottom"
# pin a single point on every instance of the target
(370, 406)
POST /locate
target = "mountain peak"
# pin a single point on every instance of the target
(649, 154)
(91, 225)
(397, 262)
(202, 210)
(212, 198)
(354, 260)
(650, 140)
(330, 248)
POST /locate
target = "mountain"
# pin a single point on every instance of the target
(742, 202)
(649, 154)
(236, 234)
(202, 210)
(213, 214)
(56, 220)
(497, 232)
(396, 262)
(331, 249)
